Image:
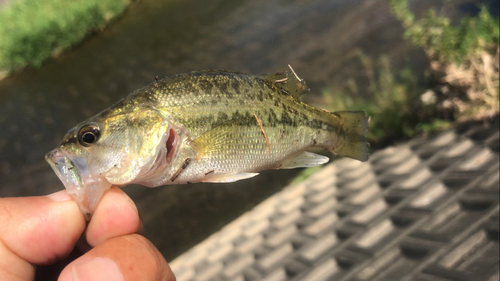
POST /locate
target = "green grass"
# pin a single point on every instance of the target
(393, 100)
(468, 52)
(465, 56)
(33, 30)
(444, 42)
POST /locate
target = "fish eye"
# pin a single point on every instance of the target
(88, 135)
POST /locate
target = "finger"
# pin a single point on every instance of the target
(129, 257)
(116, 215)
(36, 230)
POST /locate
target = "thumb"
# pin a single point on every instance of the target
(128, 257)
(36, 230)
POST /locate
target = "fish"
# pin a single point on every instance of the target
(204, 126)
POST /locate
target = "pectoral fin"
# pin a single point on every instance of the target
(213, 142)
(305, 159)
(229, 177)
(231, 140)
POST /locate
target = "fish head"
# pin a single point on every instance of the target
(113, 148)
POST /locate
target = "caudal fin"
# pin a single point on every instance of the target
(352, 134)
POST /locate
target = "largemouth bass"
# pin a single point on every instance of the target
(204, 126)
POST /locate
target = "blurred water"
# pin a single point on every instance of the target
(168, 37)
(154, 37)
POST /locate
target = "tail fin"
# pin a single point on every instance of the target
(352, 134)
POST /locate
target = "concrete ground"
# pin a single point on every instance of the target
(427, 209)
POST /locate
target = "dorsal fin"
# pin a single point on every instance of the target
(288, 82)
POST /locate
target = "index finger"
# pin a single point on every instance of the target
(115, 215)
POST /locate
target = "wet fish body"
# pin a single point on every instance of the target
(205, 126)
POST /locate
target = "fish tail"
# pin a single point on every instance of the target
(353, 126)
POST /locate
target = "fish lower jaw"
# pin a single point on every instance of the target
(88, 196)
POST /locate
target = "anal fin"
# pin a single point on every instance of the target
(228, 177)
(305, 159)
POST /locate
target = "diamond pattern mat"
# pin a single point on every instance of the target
(424, 210)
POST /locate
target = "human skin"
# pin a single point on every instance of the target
(42, 230)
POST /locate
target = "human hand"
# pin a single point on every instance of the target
(44, 229)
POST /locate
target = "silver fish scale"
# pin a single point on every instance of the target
(255, 157)
(249, 151)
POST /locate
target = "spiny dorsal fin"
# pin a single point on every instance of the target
(288, 82)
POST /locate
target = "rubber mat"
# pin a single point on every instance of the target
(423, 210)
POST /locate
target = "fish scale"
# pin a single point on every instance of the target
(199, 109)
(203, 126)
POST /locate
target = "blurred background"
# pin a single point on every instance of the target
(414, 71)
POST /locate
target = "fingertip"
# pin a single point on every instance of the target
(130, 256)
(116, 215)
(40, 229)
(94, 269)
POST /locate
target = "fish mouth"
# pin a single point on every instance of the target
(73, 171)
